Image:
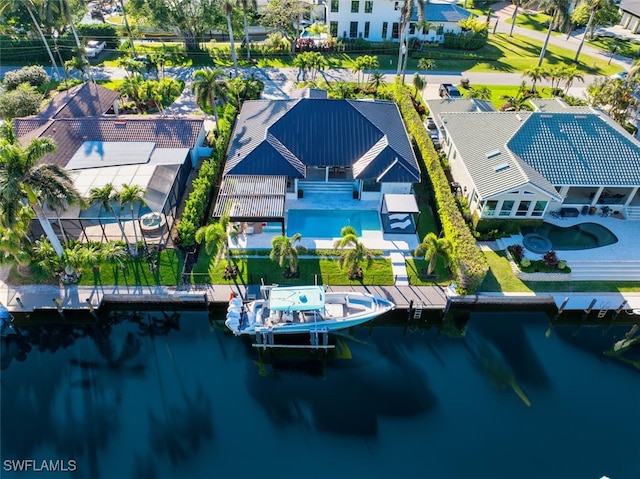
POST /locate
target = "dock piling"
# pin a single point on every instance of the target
(563, 305)
(19, 301)
(591, 305)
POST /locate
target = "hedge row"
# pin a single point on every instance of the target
(468, 263)
(196, 205)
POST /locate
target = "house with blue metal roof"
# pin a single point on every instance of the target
(283, 150)
(379, 20)
(520, 165)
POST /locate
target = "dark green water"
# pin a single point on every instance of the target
(165, 395)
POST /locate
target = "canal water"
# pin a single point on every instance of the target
(171, 395)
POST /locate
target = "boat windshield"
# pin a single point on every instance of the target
(296, 298)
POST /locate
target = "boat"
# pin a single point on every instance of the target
(303, 309)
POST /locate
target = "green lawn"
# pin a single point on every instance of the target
(534, 21)
(498, 91)
(137, 272)
(501, 278)
(625, 48)
(416, 267)
(251, 270)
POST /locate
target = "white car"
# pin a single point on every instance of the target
(94, 47)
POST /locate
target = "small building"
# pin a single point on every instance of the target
(630, 10)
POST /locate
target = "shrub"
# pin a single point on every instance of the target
(467, 261)
(525, 262)
(25, 100)
(100, 31)
(562, 264)
(517, 251)
(34, 75)
(551, 259)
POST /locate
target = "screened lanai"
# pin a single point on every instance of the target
(252, 199)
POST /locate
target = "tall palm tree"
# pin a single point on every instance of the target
(55, 10)
(595, 6)
(105, 197)
(285, 252)
(209, 86)
(216, 238)
(227, 8)
(78, 63)
(570, 75)
(433, 248)
(405, 16)
(30, 7)
(353, 252)
(130, 196)
(247, 5)
(560, 9)
(23, 181)
(418, 84)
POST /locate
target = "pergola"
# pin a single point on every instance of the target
(252, 198)
(398, 204)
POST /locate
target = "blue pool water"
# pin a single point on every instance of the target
(328, 223)
(169, 395)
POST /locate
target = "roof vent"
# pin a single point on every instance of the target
(493, 154)
(518, 117)
(501, 167)
(120, 122)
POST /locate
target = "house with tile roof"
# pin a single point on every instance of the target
(522, 165)
(285, 149)
(98, 146)
(379, 20)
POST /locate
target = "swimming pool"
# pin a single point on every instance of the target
(576, 237)
(328, 223)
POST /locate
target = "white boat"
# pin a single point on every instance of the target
(303, 309)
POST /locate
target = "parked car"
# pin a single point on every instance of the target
(94, 47)
(97, 14)
(432, 129)
(447, 90)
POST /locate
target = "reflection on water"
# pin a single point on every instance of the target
(158, 394)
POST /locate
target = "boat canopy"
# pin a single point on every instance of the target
(296, 298)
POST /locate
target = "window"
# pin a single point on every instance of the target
(353, 29)
(368, 6)
(366, 29)
(335, 5)
(489, 208)
(333, 29)
(506, 208)
(440, 30)
(538, 209)
(412, 29)
(385, 27)
(394, 30)
(523, 208)
(355, 6)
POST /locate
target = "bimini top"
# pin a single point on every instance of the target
(296, 298)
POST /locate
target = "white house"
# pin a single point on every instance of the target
(379, 20)
(519, 165)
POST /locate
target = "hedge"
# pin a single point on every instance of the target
(468, 263)
(196, 205)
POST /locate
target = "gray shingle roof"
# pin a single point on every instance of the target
(578, 149)
(279, 137)
(631, 6)
(459, 105)
(478, 134)
(557, 105)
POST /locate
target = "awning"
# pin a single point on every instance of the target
(251, 198)
(394, 203)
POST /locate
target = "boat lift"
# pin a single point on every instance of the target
(318, 339)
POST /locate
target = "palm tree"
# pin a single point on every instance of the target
(536, 74)
(353, 253)
(595, 6)
(480, 92)
(377, 79)
(30, 7)
(514, 17)
(113, 252)
(79, 63)
(426, 64)
(45, 255)
(570, 75)
(105, 197)
(227, 8)
(23, 181)
(284, 251)
(246, 6)
(14, 242)
(132, 195)
(418, 84)
(53, 10)
(209, 86)
(560, 9)
(433, 247)
(405, 15)
(216, 238)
